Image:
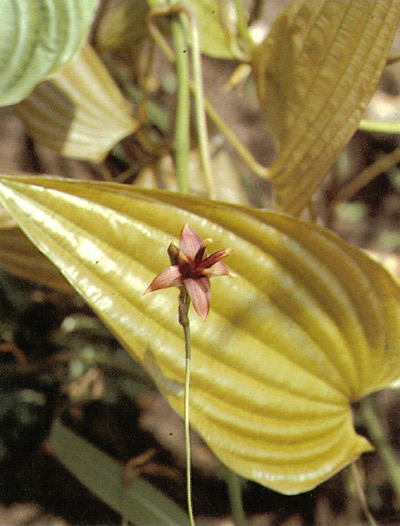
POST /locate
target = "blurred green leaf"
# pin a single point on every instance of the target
(215, 23)
(310, 324)
(315, 73)
(216, 27)
(79, 112)
(138, 502)
(37, 38)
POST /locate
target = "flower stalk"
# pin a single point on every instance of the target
(190, 270)
(183, 309)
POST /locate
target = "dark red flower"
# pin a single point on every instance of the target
(193, 269)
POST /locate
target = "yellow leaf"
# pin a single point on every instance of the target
(310, 324)
(315, 73)
(80, 112)
(6, 220)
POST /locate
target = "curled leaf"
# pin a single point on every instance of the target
(309, 325)
(79, 112)
(315, 73)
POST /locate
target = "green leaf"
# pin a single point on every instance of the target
(79, 112)
(216, 27)
(37, 38)
(315, 73)
(310, 324)
(138, 502)
(217, 36)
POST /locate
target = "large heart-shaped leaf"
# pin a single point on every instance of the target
(37, 38)
(316, 72)
(309, 325)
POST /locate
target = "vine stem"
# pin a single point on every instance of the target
(182, 122)
(364, 177)
(376, 126)
(196, 86)
(198, 93)
(361, 495)
(234, 483)
(240, 148)
(243, 26)
(381, 443)
(245, 154)
(184, 303)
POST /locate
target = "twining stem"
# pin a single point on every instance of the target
(242, 25)
(360, 492)
(182, 122)
(184, 84)
(376, 126)
(184, 303)
(379, 439)
(197, 90)
(196, 85)
(240, 148)
(234, 484)
(364, 177)
(393, 60)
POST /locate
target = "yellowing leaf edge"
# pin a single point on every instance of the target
(314, 98)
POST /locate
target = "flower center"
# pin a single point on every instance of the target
(192, 269)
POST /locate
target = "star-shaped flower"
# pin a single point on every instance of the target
(192, 269)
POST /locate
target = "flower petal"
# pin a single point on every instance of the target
(170, 277)
(218, 269)
(199, 292)
(190, 242)
(216, 256)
